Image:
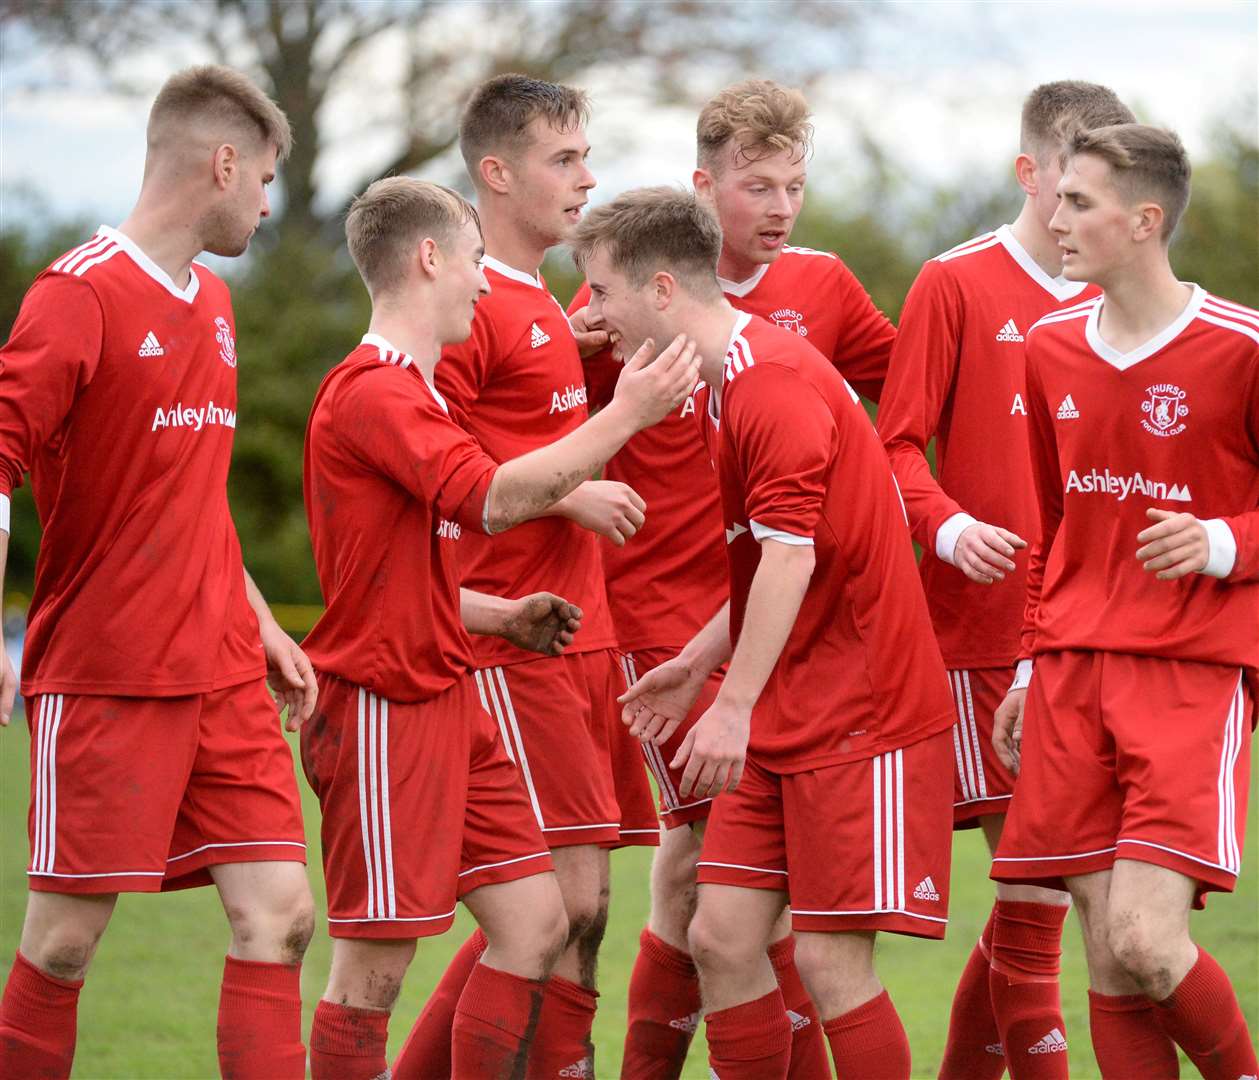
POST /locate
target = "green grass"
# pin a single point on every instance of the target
(149, 1006)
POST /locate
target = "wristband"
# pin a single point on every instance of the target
(4, 513)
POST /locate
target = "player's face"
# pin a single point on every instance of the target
(244, 204)
(1093, 224)
(757, 202)
(461, 284)
(552, 181)
(626, 313)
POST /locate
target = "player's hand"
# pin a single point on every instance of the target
(590, 339)
(652, 388)
(985, 553)
(654, 706)
(8, 686)
(713, 753)
(1007, 729)
(1177, 545)
(608, 508)
(542, 623)
(289, 675)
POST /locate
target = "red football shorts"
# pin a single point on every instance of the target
(561, 724)
(674, 810)
(1130, 757)
(145, 794)
(981, 784)
(420, 806)
(859, 846)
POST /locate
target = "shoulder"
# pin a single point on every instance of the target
(88, 258)
(1230, 317)
(963, 254)
(1064, 322)
(764, 354)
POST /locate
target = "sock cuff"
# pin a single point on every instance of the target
(985, 935)
(505, 1001)
(1027, 940)
(859, 1016)
(751, 1031)
(344, 1031)
(1119, 1003)
(479, 942)
(262, 975)
(1028, 912)
(572, 993)
(29, 971)
(782, 953)
(1198, 993)
(666, 955)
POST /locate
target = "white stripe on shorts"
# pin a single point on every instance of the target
(888, 806)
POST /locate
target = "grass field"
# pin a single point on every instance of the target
(149, 1006)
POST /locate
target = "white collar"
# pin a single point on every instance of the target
(1057, 287)
(391, 355)
(1164, 337)
(742, 318)
(742, 288)
(500, 267)
(151, 268)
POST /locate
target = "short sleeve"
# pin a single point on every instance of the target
(390, 420)
(785, 439)
(863, 347)
(51, 355)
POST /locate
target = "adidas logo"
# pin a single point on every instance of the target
(689, 1024)
(797, 1021)
(150, 346)
(995, 1048)
(1053, 1043)
(537, 338)
(582, 1070)
(1009, 332)
(1067, 410)
(926, 890)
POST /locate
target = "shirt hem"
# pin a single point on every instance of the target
(497, 658)
(135, 689)
(825, 761)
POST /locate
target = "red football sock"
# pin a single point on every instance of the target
(426, 1053)
(260, 1021)
(38, 1016)
(563, 1038)
(348, 1043)
(809, 1058)
(494, 1021)
(663, 1011)
(1203, 1017)
(870, 1042)
(1128, 1040)
(751, 1041)
(1023, 982)
(973, 1050)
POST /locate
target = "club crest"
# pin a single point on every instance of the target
(227, 344)
(790, 320)
(1164, 410)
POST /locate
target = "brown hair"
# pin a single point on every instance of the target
(393, 215)
(1147, 164)
(223, 97)
(496, 118)
(655, 228)
(1054, 111)
(763, 117)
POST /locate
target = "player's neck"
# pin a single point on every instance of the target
(167, 237)
(405, 328)
(509, 241)
(1140, 302)
(731, 266)
(711, 325)
(1036, 240)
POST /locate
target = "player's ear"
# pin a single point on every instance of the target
(663, 286)
(494, 174)
(226, 164)
(1026, 173)
(702, 182)
(1147, 222)
(428, 257)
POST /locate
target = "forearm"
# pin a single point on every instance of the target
(774, 600)
(256, 601)
(481, 612)
(710, 647)
(527, 486)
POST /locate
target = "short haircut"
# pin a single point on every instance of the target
(1054, 111)
(224, 98)
(1148, 164)
(496, 119)
(385, 223)
(650, 229)
(762, 117)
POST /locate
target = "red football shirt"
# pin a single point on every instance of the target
(798, 462)
(118, 395)
(1173, 424)
(393, 486)
(516, 384)
(670, 578)
(957, 374)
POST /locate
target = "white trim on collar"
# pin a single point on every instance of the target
(151, 268)
(742, 318)
(402, 360)
(742, 288)
(500, 267)
(1057, 287)
(1144, 351)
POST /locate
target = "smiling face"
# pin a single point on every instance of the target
(1094, 224)
(630, 315)
(460, 283)
(757, 203)
(551, 180)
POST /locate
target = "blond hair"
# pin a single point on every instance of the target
(497, 117)
(1147, 164)
(650, 229)
(223, 98)
(391, 217)
(1054, 111)
(760, 116)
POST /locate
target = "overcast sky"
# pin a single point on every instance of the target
(940, 87)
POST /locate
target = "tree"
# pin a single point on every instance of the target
(406, 66)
